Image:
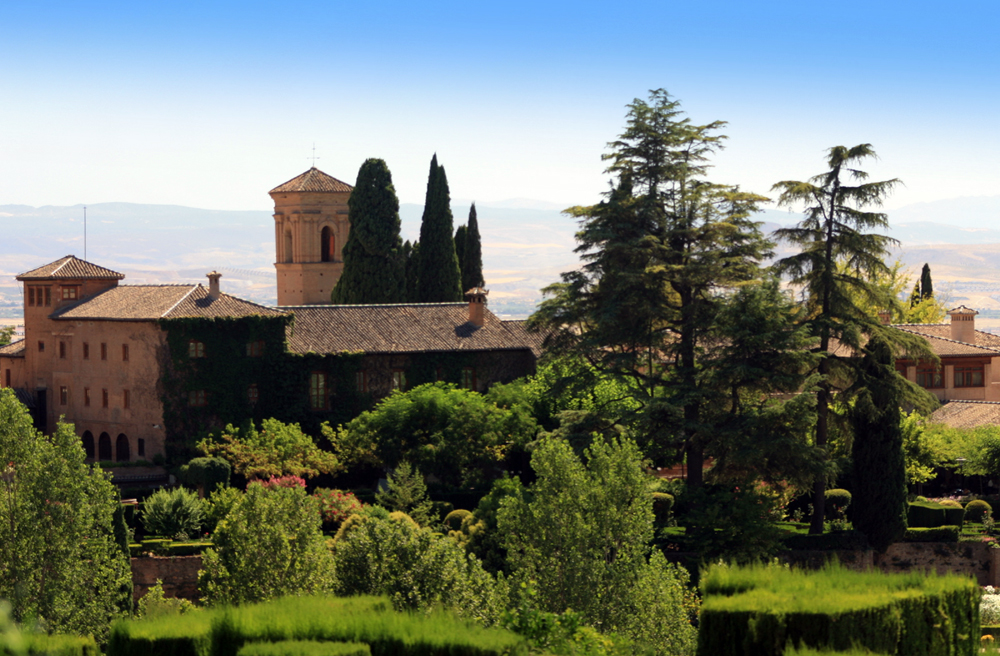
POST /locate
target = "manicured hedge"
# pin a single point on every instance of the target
(938, 534)
(41, 644)
(762, 609)
(367, 620)
(304, 648)
(927, 514)
(806, 651)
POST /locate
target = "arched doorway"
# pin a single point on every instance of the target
(88, 444)
(121, 448)
(104, 447)
(328, 243)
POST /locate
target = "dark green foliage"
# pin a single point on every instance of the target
(832, 541)
(927, 514)
(166, 635)
(407, 493)
(374, 264)
(733, 524)
(837, 503)
(411, 255)
(936, 534)
(662, 503)
(460, 233)
(762, 610)
(172, 513)
(472, 254)
(926, 284)
(206, 473)
(440, 278)
(806, 651)
(487, 543)
(304, 648)
(454, 519)
(976, 510)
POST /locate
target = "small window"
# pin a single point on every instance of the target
(7, 378)
(69, 293)
(104, 398)
(140, 447)
(41, 346)
(48, 296)
(104, 351)
(317, 390)
(399, 380)
(930, 377)
(196, 349)
(197, 398)
(63, 395)
(124, 352)
(86, 397)
(361, 381)
(253, 394)
(88, 444)
(62, 350)
(971, 376)
(469, 378)
(328, 245)
(31, 296)
(126, 401)
(86, 351)
(255, 349)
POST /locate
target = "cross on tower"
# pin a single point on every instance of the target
(314, 158)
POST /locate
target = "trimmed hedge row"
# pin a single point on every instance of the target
(937, 534)
(832, 541)
(304, 648)
(761, 609)
(369, 620)
(166, 547)
(927, 514)
(41, 644)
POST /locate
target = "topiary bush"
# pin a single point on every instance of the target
(837, 501)
(977, 510)
(175, 513)
(454, 519)
(662, 504)
(206, 473)
(949, 503)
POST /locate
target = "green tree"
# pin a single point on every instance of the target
(407, 493)
(878, 505)
(6, 334)
(374, 266)
(833, 268)
(472, 260)
(411, 255)
(460, 236)
(440, 278)
(582, 534)
(59, 562)
(173, 513)
(268, 545)
(926, 284)
(277, 449)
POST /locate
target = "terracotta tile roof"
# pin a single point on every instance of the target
(519, 328)
(967, 414)
(313, 180)
(70, 267)
(938, 336)
(13, 350)
(150, 302)
(403, 328)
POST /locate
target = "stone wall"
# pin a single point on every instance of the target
(179, 575)
(974, 558)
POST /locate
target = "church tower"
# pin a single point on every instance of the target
(310, 229)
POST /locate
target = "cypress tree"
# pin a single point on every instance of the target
(440, 278)
(460, 233)
(915, 294)
(472, 265)
(411, 253)
(926, 285)
(879, 495)
(373, 255)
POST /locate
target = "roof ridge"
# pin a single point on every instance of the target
(171, 308)
(946, 339)
(249, 302)
(66, 260)
(372, 305)
(950, 401)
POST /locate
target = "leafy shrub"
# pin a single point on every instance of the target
(407, 493)
(977, 510)
(935, 534)
(950, 503)
(454, 519)
(837, 502)
(484, 539)
(662, 504)
(206, 473)
(219, 504)
(155, 604)
(335, 506)
(930, 514)
(43, 644)
(281, 481)
(172, 513)
(989, 606)
(304, 648)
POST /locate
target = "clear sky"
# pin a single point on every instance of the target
(211, 104)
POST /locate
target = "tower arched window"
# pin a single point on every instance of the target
(288, 246)
(88, 444)
(328, 243)
(122, 449)
(104, 447)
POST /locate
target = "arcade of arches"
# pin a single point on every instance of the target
(102, 450)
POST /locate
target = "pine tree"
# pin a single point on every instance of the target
(472, 262)
(460, 233)
(411, 257)
(373, 255)
(915, 297)
(440, 278)
(926, 285)
(879, 491)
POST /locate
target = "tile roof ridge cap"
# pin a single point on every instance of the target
(65, 260)
(950, 401)
(953, 341)
(249, 302)
(897, 325)
(371, 305)
(181, 300)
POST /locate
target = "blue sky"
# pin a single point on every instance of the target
(211, 104)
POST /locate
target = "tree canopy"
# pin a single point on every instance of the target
(472, 254)
(277, 449)
(439, 277)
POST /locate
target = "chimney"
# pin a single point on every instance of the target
(963, 324)
(885, 317)
(213, 285)
(477, 306)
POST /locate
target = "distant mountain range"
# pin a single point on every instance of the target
(526, 244)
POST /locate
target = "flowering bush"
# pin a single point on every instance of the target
(335, 506)
(989, 606)
(281, 481)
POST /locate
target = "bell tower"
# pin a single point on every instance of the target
(310, 229)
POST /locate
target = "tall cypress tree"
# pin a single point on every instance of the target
(411, 254)
(440, 278)
(460, 233)
(472, 263)
(926, 285)
(373, 255)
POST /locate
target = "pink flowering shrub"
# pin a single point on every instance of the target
(282, 481)
(335, 506)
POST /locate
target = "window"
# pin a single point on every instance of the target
(86, 351)
(88, 444)
(124, 352)
(317, 391)
(255, 349)
(253, 394)
(930, 377)
(63, 395)
(969, 376)
(399, 381)
(140, 447)
(7, 378)
(104, 398)
(121, 449)
(328, 245)
(104, 351)
(69, 293)
(361, 381)
(41, 346)
(48, 295)
(126, 401)
(86, 397)
(31, 296)
(197, 399)
(196, 349)
(62, 350)
(104, 447)
(469, 378)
